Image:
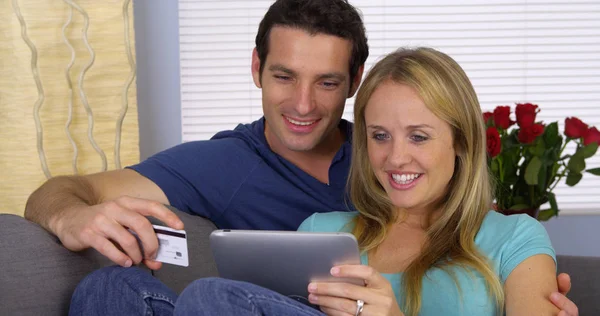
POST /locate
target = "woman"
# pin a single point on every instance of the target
(420, 183)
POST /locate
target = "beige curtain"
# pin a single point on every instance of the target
(67, 65)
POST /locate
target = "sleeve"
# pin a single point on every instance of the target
(529, 238)
(200, 177)
(308, 225)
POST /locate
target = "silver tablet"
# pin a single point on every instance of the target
(283, 261)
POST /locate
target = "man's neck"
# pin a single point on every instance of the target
(315, 162)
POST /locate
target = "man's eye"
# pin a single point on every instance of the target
(284, 78)
(329, 84)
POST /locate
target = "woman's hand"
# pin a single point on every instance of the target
(340, 298)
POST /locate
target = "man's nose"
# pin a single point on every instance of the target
(305, 101)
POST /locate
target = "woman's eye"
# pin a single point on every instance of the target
(380, 136)
(418, 138)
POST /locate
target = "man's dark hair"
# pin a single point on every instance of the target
(331, 17)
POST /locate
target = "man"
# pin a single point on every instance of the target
(270, 174)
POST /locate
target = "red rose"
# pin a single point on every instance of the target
(526, 114)
(502, 117)
(493, 141)
(575, 128)
(592, 136)
(487, 116)
(528, 134)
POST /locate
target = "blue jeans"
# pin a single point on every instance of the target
(131, 291)
(122, 291)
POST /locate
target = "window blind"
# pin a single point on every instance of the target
(543, 52)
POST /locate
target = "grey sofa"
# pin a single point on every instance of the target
(38, 274)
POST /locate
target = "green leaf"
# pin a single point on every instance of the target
(495, 166)
(519, 200)
(552, 200)
(573, 178)
(538, 148)
(551, 156)
(545, 215)
(519, 207)
(510, 179)
(595, 171)
(589, 150)
(576, 163)
(554, 173)
(532, 171)
(551, 135)
(542, 178)
(509, 168)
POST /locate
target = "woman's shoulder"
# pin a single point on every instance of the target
(509, 239)
(498, 224)
(329, 222)
(499, 229)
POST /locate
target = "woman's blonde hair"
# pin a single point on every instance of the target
(448, 93)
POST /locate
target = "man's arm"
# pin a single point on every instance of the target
(96, 211)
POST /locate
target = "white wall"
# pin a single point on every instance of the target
(157, 49)
(157, 53)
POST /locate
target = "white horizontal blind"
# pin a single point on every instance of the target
(543, 52)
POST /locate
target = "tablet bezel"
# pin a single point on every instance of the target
(283, 261)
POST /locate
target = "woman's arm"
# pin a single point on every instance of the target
(529, 285)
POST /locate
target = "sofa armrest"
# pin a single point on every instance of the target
(585, 279)
(39, 275)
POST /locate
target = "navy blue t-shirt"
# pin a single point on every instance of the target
(238, 182)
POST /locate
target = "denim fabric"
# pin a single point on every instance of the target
(122, 291)
(131, 291)
(216, 296)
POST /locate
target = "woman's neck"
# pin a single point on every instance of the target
(416, 219)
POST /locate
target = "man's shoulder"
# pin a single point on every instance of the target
(214, 145)
(245, 138)
(233, 154)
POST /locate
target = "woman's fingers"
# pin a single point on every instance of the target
(371, 276)
(334, 306)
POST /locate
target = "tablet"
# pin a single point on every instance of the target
(283, 261)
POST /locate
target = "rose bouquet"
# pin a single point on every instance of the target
(527, 160)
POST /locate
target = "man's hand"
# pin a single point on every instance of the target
(104, 227)
(560, 300)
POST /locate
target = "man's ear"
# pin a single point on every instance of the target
(356, 81)
(255, 66)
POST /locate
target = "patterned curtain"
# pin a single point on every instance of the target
(67, 92)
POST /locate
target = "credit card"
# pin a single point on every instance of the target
(172, 246)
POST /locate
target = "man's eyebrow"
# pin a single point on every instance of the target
(333, 75)
(330, 75)
(277, 67)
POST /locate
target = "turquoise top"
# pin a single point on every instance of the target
(505, 240)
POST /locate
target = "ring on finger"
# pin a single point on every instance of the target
(360, 304)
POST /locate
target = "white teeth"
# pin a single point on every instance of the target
(298, 122)
(405, 178)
